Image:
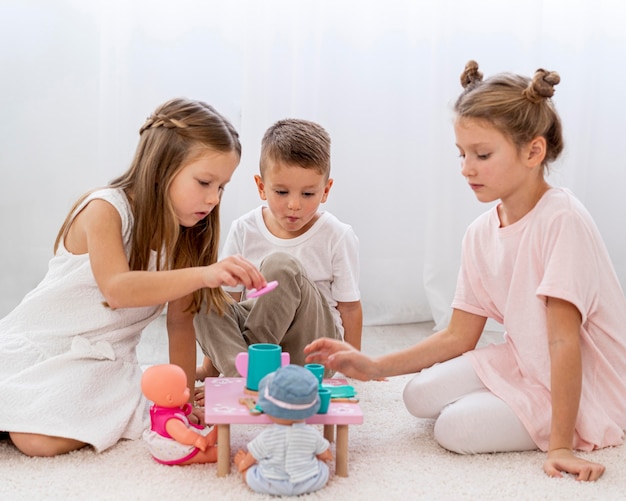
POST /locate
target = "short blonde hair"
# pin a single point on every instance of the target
(296, 142)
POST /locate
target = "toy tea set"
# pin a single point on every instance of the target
(263, 358)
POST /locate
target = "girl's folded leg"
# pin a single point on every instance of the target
(469, 418)
(481, 423)
(34, 444)
(432, 389)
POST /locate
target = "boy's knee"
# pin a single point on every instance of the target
(277, 265)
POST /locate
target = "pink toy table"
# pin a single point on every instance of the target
(222, 408)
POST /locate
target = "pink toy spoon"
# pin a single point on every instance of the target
(252, 293)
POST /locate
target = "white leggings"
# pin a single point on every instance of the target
(469, 418)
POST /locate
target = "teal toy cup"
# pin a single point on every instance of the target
(260, 360)
(324, 394)
(318, 372)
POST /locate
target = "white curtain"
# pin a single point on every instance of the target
(80, 76)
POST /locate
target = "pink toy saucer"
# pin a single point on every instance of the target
(252, 293)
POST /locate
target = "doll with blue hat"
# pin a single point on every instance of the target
(287, 458)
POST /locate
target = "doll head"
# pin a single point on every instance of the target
(165, 385)
(290, 393)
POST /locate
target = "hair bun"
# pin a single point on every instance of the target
(542, 85)
(471, 74)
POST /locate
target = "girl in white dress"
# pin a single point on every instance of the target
(69, 374)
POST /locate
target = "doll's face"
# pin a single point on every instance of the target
(166, 386)
(178, 397)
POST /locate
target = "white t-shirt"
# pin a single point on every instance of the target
(329, 251)
(506, 274)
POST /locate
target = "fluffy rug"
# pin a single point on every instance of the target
(392, 456)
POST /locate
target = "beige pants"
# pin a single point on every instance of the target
(292, 315)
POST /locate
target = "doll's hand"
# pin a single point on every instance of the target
(202, 443)
(564, 460)
(327, 455)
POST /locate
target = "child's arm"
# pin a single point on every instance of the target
(244, 460)
(461, 335)
(182, 339)
(564, 323)
(98, 231)
(352, 320)
(207, 369)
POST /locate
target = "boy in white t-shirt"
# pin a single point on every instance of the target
(312, 255)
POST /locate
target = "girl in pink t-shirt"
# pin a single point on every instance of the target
(537, 264)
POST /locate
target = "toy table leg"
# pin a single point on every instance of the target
(329, 432)
(223, 450)
(341, 449)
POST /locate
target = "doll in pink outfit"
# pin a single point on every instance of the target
(172, 439)
(536, 263)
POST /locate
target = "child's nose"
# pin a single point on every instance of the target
(293, 203)
(465, 167)
(213, 197)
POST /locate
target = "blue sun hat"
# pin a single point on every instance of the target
(289, 393)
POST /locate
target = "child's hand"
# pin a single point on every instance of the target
(198, 396)
(341, 357)
(232, 271)
(197, 416)
(564, 460)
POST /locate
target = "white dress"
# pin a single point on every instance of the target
(68, 365)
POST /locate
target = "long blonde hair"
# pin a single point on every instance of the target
(168, 140)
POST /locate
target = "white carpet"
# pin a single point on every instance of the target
(392, 457)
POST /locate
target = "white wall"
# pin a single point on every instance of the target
(79, 78)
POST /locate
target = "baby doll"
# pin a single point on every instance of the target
(172, 439)
(288, 457)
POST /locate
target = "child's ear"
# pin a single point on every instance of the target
(260, 185)
(329, 185)
(537, 151)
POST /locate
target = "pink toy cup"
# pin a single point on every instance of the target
(258, 361)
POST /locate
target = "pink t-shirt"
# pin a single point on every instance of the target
(506, 274)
